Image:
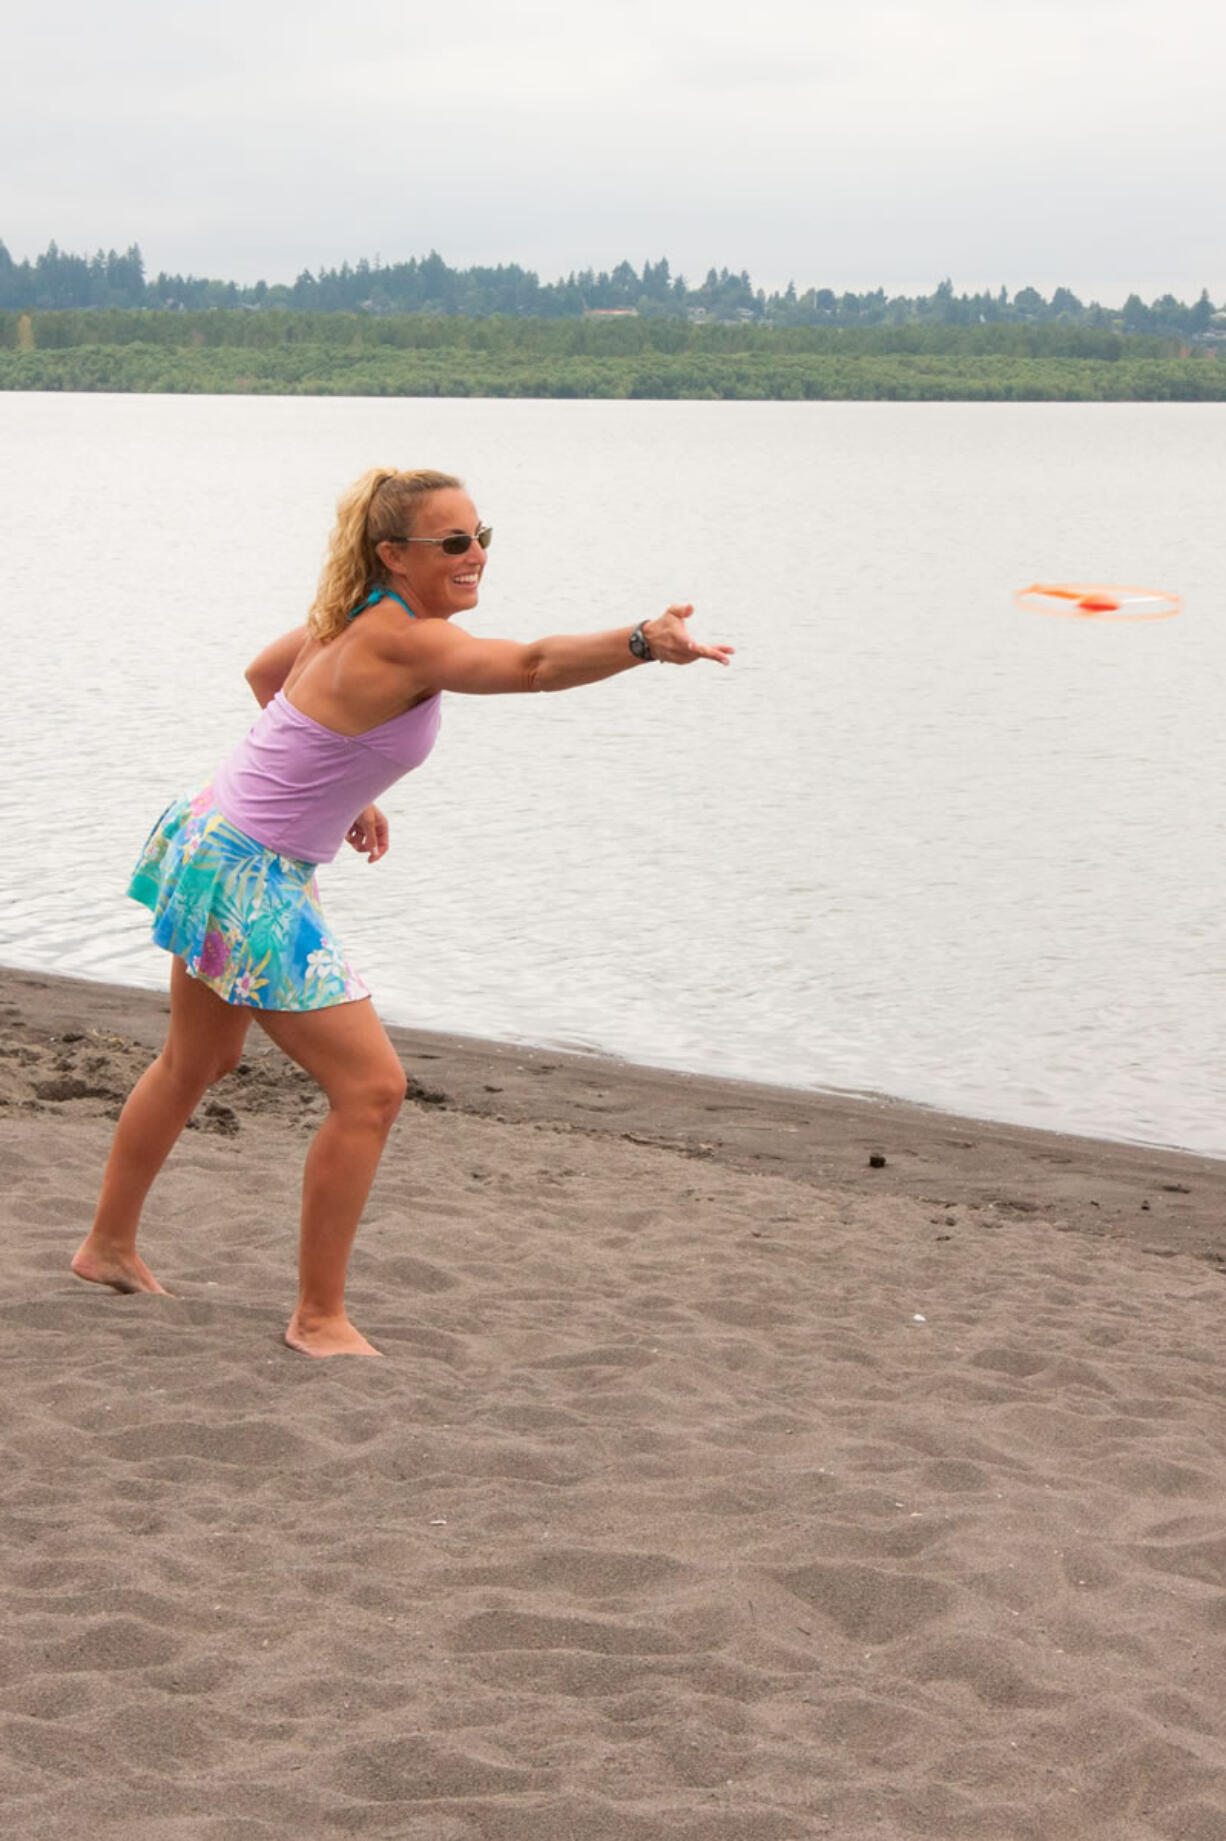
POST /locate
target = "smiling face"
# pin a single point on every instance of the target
(434, 584)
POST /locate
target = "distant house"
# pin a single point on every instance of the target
(610, 313)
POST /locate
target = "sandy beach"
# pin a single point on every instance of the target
(747, 1465)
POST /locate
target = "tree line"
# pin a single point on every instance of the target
(285, 353)
(59, 281)
(501, 336)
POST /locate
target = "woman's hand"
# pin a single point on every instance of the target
(670, 642)
(368, 833)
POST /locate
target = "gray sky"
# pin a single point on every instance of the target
(839, 143)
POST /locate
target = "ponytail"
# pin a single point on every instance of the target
(378, 506)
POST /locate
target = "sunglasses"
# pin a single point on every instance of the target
(456, 545)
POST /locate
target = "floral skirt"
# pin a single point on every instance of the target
(245, 921)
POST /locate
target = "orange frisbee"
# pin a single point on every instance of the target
(1097, 601)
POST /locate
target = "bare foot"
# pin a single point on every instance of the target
(103, 1264)
(322, 1336)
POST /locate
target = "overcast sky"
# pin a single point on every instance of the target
(839, 143)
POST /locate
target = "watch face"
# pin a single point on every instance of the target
(638, 643)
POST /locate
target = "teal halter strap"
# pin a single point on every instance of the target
(380, 594)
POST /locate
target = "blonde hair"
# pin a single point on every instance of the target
(379, 506)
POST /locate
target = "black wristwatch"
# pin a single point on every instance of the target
(638, 643)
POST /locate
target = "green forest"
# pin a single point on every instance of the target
(57, 279)
(282, 353)
(422, 329)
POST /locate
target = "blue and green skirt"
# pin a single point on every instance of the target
(245, 921)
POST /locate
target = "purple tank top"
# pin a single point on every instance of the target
(296, 787)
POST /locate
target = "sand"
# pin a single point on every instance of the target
(718, 1486)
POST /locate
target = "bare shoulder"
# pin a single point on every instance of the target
(419, 646)
(432, 654)
(389, 634)
(419, 655)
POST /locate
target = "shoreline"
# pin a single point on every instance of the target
(459, 1044)
(1103, 1187)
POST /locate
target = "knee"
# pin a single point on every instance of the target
(393, 1095)
(225, 1063)
(389, 1093)
(198, 1072)
(382, 1095)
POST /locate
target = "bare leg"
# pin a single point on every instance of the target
(345, 1048)
(204, 1041)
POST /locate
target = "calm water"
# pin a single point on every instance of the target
(915, 842)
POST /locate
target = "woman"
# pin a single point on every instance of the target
(350, 702)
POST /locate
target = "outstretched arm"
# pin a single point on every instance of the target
(450, 659)
(268, 671)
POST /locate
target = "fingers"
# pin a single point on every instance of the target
(670, 641)
(377, 834)
(369, 834)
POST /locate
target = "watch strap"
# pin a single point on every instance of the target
(639, 644)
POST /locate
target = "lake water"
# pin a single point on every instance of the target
(915, 842)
